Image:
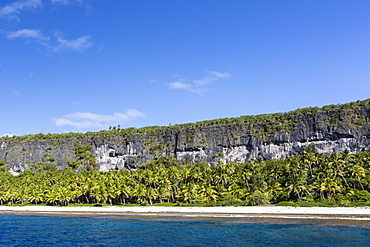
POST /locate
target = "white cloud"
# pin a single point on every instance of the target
(189, 87)
(197, 86)
(84, 120)
(79, 3)
(27, 33)
(79, 44)
(11, 11)
(8, 135)
(66, 2)
(56, 43)
(212, 76)
(83, 124)
(219, 74)
(16, 92)
(180, 85)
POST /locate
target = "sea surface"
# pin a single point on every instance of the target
(67, 230)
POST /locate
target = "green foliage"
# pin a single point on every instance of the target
(257, 198)
(307, 180)
(361, 196)
(85, 160)
(153, 149)
(218, 155)
(259, 125)
(161, 163)
(51, 167)
(352, 115)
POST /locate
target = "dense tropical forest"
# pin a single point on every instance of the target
(306, 179)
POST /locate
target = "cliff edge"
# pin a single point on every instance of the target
(329, 129)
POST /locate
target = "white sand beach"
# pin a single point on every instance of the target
(362, 213)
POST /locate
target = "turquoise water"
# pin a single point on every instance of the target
(33, 230)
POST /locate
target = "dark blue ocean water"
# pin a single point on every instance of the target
(36, 230)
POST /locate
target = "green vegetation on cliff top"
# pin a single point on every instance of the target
(259, 125)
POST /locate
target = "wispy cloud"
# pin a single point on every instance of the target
(12, 11)
(16, 92)
(197, 86)
(27, 33)
(66, 2)
(181, 85)
(8, 135)
(88, 120)
(79, 44)
(80, 3)
(55, 43)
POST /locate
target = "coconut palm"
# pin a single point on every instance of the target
(358, 172)
(35, 195)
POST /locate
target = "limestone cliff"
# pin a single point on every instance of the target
(334, 128)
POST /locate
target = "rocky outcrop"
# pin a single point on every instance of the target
(273, 136)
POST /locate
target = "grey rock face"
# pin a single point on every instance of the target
(330, 131)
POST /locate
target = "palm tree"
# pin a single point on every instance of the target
(139, 192)
(35, 195)
(12, 195)
(100, 193)
(358, 172)
(65, 196)
(297, 187)
(207, 192)
(3, 197)
(150, 194)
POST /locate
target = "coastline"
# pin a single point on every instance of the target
(350, 213)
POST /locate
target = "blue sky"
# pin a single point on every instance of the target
(84, 65)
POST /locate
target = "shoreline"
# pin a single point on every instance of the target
(349, 213)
